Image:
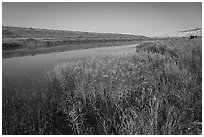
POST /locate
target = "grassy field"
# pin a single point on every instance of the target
(18, 41)
(157, 90)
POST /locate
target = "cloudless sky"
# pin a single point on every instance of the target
(149, 19)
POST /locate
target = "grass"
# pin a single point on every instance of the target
(43, 47)
(23, 32)
(20, 41)
(156, 91)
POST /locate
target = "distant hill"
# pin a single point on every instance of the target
(21, 32)
(20, 41)
(185, 33)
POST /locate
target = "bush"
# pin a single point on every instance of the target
(12, 46)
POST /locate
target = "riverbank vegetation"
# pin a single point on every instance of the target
(157, 90)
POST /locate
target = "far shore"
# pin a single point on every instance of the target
(29, 51)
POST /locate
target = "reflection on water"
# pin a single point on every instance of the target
(36, 66)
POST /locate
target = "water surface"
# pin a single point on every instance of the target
(29, 67)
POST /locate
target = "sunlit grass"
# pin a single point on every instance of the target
(154, 91)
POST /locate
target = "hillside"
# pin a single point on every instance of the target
(19, 41)
(21, 32)
(186, 33)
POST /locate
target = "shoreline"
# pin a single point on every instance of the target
(63, 48)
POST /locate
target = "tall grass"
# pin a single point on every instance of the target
(146, 93)
(26, 109)
(143, 93)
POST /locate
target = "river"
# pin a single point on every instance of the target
(28, 67)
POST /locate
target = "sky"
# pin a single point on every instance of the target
(148, 19)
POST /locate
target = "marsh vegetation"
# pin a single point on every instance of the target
(157, 90)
